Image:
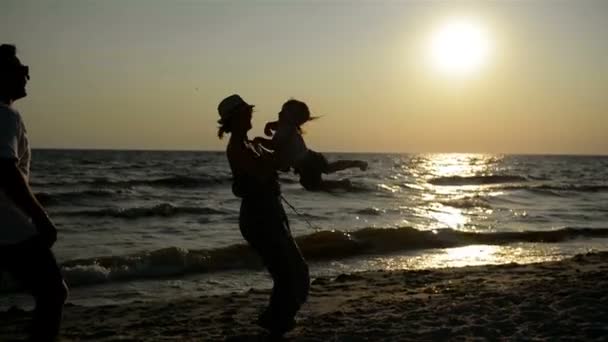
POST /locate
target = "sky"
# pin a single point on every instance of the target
(147, 74)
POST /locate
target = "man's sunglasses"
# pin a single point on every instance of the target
(20, 70)
(26, 71)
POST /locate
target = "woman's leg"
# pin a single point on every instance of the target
(264, 225)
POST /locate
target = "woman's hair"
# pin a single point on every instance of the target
(223, 129)
(226, 124)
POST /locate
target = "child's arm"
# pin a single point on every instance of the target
(265, 143)
(270, 128)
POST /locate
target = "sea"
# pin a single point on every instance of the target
(137, 226)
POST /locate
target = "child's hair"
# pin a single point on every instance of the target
(298, 111)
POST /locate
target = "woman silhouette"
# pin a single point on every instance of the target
(262, 221)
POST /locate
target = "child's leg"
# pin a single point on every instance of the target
(340, 165)
(329, 185)
(311, 183)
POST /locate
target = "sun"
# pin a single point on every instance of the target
(459, 46)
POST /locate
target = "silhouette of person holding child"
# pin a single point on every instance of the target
(262, 221)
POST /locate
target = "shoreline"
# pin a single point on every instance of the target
(555, 300)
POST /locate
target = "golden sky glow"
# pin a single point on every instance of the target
(394, 76)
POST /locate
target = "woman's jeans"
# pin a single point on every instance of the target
(264, 225)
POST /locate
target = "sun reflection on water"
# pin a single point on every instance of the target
(472, 255)
(450, 217)
(459, 164)
(452, 206)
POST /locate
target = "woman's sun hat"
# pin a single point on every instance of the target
(229, 106)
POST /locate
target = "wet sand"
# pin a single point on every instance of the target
(563, 300)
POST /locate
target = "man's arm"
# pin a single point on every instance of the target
(17, 189)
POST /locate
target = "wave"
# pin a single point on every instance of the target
(318, 246)
(169, 181)
(556, 189)
(476, 180)
(577, 188)
(373, 211)
(163, 209)
(467, 203)
(512, 182)
(70, 196)
(163, 182)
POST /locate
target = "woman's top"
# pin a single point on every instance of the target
(263, 181)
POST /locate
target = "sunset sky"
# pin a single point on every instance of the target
(386, 76)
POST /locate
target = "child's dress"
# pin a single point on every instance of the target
(292, 152)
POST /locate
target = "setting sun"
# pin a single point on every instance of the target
(459, 46)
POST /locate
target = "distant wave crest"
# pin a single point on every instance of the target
(72, 196)
(476, 180)
(467, 203)
(179, 181)
(163, 209)
(557, 188)
(373, 211)
(170, 181)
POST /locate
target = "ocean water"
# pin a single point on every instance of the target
(146, 225)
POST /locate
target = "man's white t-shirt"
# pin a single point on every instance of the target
(289, 146)
(15, 225)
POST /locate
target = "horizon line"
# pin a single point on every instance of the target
(333, 152)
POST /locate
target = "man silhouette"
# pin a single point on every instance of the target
(26, 232)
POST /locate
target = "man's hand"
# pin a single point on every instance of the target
(46, 229)
(16, 187)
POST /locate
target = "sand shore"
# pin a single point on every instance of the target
(564, 300)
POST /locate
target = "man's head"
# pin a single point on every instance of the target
(13, 74)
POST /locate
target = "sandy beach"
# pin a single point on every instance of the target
(564, 300)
